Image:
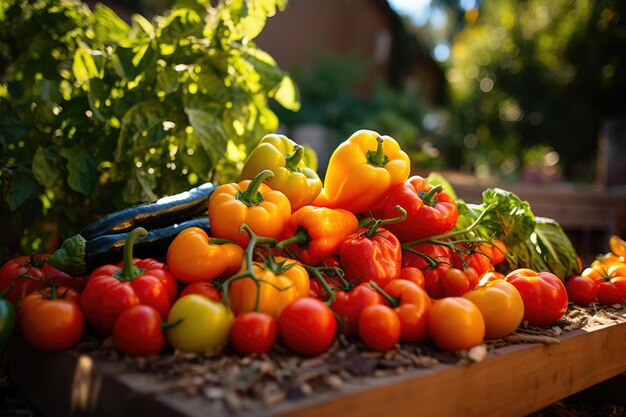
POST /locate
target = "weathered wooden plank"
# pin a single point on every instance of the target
(514, 380)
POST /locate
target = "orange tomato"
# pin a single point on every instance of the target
(501, 305)
(455, 323)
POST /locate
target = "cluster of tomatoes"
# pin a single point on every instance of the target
(604, 281)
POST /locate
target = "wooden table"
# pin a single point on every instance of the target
(513, 381)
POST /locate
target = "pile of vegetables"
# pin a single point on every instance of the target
(369, 253)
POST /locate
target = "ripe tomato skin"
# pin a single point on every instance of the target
(480, 260)
(379, 327)
(501, 306)
(454, 282)
(544, 295)
(410, 273)
(456, 323)
(51, 324)
(253, 333)
(204, 288)
(137, 331)
(307, 326)
(582, 291)
(612, 292)
(498, 252)
(434, 278)
(22, 265)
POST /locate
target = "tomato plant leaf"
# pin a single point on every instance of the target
(46, 172)
(108, 26)
(84, 66)
(81, 168)
(23, 186)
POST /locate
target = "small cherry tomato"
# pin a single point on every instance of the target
(582, 291)
(379, 327)
(348, 306)
(501, 306)
(456, 323)
(410, 273)
(204, 288)
(307, 326)
(50, 323)
(454, 282)
(544, 295)
(253, 333)
(498, 252)
(12, 272)
(480, 260)
(612, 292)
(137, 331)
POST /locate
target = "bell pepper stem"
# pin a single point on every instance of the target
(393, 301)
(377, 157)
(251, 196)
(129, 270)
(371, 232)
(430, 198)
(301, 238)
(292, 161)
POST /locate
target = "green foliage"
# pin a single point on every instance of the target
(536, 73)
(97, 114)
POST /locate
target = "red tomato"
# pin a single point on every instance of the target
(582, 291)
(612, 292)
(349, 305)
(11, 271)
(204, 288)
(437, 253)
(454, 282)
(137, 331)
(498, 252)
(480, 260)
(379, 327)
(455, 323)
(410, 273)
(543, 293)
(51, 324)
(307, 326)
(434, 285)
(253, 333)
(61, 278)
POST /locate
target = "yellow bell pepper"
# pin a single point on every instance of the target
(291, 176)
(361, 170)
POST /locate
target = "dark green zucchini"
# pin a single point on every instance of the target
(161, 213)
(78, 256)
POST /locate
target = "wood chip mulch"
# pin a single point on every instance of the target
(235, 384)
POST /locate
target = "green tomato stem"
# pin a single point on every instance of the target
(393, 301)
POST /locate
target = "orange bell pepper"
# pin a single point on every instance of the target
(194, 256)
(264, 210)
(282, 281)
(361, 170)
(316, 233)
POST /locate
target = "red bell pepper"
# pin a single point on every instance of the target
(373, 254)
(111, 288)
(431, 211)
